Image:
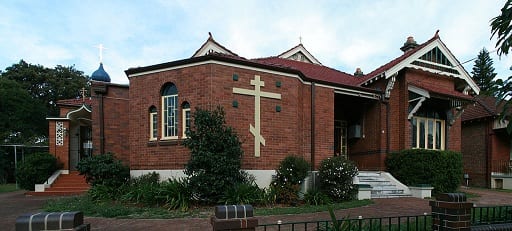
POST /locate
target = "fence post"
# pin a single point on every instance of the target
(450, 211)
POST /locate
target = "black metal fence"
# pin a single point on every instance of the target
(423, 222)
(479, 216)
(491, 215)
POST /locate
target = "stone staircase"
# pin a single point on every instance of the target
(383, 185)
(65, 185)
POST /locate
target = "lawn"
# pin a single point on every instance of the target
(126, 210)
(7, 188)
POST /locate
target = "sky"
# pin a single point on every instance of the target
(341, 34)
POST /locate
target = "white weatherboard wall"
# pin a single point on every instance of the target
(263, 177)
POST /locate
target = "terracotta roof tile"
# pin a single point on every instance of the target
(74, 102)
(313, 71)
(395, 61)
(484, 107)
(436, 90)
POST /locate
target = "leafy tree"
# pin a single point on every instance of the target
(216, 153)
(47, 85)
(483, 73)
(500, 27)
(33, 98)
(22, 119)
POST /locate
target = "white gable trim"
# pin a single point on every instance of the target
(436, 43)
(211, 46)
(303, 50)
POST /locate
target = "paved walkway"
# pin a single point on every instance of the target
(16, 203)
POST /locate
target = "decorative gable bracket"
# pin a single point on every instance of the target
(389, 86)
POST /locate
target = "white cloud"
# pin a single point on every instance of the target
(343, 35)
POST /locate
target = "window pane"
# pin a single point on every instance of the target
(187, 121)
(430, 134)
(438, 134)
(170, 118)
(154, 125)
(414, 143)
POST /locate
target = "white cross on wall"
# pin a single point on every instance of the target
(257, 93)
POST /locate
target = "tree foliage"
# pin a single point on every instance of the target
(216, 152)
(22, 119)
(35, 97)
(500, 27)
(483, 73)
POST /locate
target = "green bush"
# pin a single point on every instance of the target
(35, 170)
(336, 178)
(175, 194)
(441, 169)
(143, 189)
(244, 193)
(316, 197)
(289, 175)
(216, 152)
(105, 170)
(4, 167)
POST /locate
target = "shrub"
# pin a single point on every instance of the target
(441, 169)
(289, 175)
(4, 167)
(336, 178)
(105, 170)
(244, 193)
(35, 170)
(316, 197)
(175, 194)
(216, 153)
(143, 189)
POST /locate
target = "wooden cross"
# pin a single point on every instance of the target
(257, 93)
(82, 91)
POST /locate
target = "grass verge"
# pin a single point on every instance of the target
(122, 210)
(7, 188)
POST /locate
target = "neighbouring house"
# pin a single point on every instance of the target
(288, 104)
(486, 145)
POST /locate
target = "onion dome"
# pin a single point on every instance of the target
(100, 75)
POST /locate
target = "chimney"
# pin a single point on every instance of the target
(409, 44)
(358, 72)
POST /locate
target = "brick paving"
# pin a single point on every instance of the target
(16, 203)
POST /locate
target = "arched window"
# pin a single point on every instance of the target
(185, 108)
(169, 111)
(153, 120)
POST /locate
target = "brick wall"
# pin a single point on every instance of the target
(286, 132)
(474, 150)
(115, 119)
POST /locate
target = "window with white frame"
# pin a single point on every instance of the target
(153, 126)
(428, 133)
(169, 112)
(186, 118)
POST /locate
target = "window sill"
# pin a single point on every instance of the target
(169, 142)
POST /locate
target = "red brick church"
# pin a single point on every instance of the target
(288, 104)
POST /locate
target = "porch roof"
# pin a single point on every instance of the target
(435, 90)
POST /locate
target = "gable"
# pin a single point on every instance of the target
(432, 56)
(299, 53)
(211, 46)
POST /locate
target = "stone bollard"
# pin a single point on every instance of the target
(234, 217)
(451, 212)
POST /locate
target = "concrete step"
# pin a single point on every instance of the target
(381, 186)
